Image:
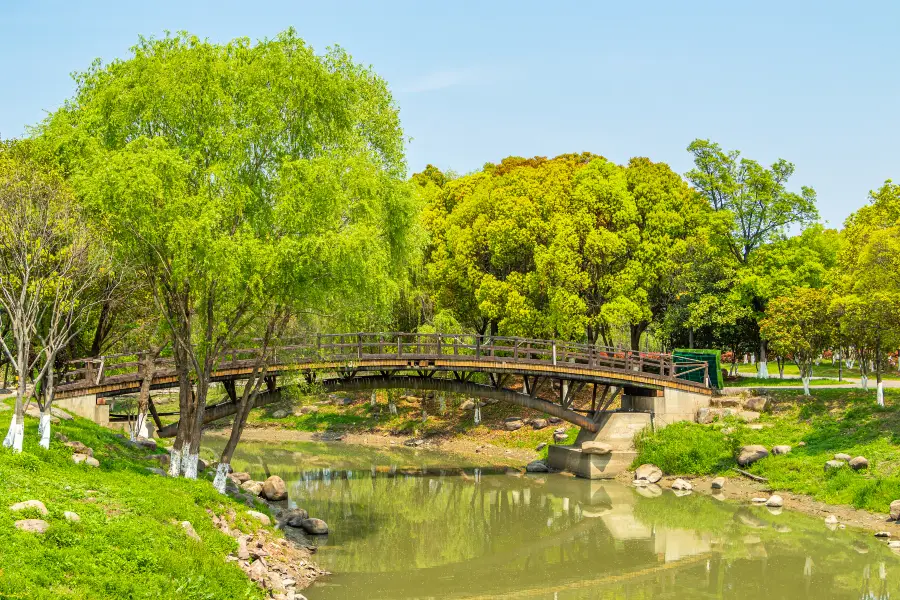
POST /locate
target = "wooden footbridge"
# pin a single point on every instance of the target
(546, 375)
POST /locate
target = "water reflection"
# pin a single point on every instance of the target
(407, 526)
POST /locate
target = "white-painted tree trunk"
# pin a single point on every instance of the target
(392, 408)
(879, 393)
(477, 414)
(19, 436)
(443, 404)
(805, 386)
(10, 433)
(865, 382)
(45, 431)
(175, 463)
(762, 369)
(752, 359)
(140, 427)
(221, 477)
(189, 465)
(373, 400)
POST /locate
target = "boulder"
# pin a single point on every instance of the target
(554, 420)
(539, 423)
(274, 489)
(254, 487)
(541, 446)
(801, 444)
(595, 448)
(258, 571)
(468, 405)
(71, 517)
(560, 437)
(648, 472)
(834, 464)
(707, 415)
(261, 517)
(843, 457)
(751, 454)
(79, 448)
(156, 471)
(895, 510)
(537, 466)
(145, 443)
(79, 458)
(202, 465)
(30, 505)
(513, 423)
(294, 517)
(91, 462)
(61, 414)
(883, 534)
(718, 483)
(756, 403)
(783, 449)
(241, 477)
(682, 485)
(775, 501)
(280, 414)
(894, 544)
(164, 459)
(314, 526)
(859, 462)
(189, 530)
(748, 416)
(831, 520)
(34, 411)
(305, 410)
(32, 525)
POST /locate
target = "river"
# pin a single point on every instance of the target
(416, 524)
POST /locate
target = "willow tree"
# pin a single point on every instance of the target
(758, 206)
(247, 182)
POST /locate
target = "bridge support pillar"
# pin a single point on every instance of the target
(640, 409)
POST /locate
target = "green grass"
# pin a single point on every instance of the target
(686, 449)
(830, 421)
(776, 382)
(128, 543)
(825, 369)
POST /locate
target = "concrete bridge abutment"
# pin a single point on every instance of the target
(641, 409)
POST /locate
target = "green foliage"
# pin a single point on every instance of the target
(686, 449)
(800, 326)
(567, 247)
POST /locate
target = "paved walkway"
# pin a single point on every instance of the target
(849, 383)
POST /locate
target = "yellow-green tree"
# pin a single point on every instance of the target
(800, 326)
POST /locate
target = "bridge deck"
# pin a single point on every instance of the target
(350, 354)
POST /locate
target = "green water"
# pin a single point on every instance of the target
(414, 524)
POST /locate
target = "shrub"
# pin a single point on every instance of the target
(686, 449)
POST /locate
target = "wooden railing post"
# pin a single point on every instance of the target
(478, 346)
(359, 345)
(438, 344)
(554, 353)
(399, 345)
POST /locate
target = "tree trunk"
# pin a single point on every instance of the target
(147, 367)
(879, 387)
(185, 412)
(761, 367)
(637, 330)
(190, 460)
(691, 338)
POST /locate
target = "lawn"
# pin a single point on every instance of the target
(776, 382)
(829, 422)
(128, 543)
(824, 369)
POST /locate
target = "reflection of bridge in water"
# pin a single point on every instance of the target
(544, 375)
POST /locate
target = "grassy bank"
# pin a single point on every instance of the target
(828, 422)
(128, 543)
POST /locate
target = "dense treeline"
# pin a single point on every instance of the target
(197, 197)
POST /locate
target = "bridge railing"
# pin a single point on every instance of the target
(348, 348)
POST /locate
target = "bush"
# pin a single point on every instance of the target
(686, 449)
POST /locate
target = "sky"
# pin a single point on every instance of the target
(815, 83)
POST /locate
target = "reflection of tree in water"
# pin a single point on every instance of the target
(404, 527)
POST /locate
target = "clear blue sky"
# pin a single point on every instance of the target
(813, 82)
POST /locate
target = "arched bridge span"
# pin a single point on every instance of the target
(545, 375)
